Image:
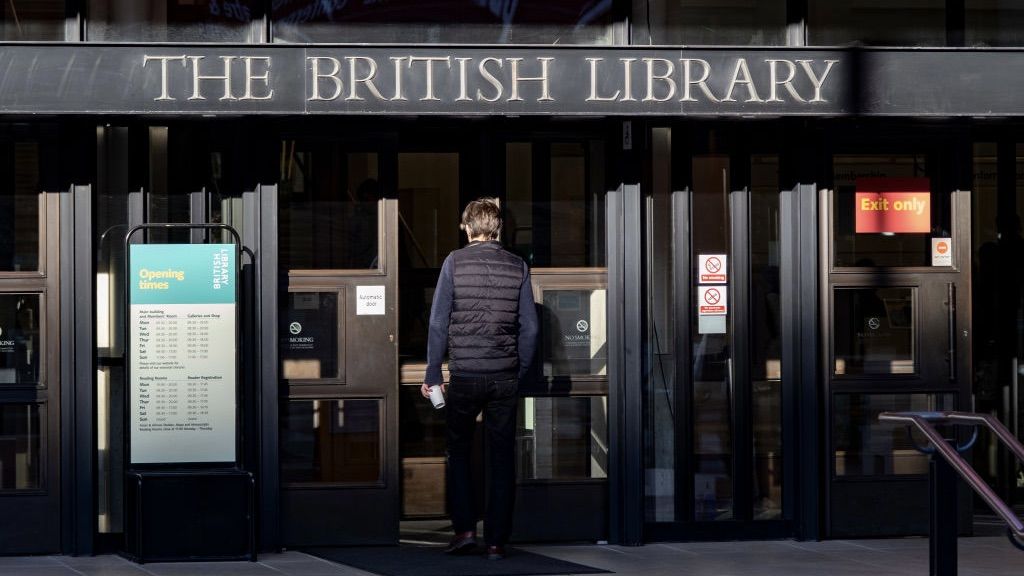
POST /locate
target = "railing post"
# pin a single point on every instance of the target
(942, 543)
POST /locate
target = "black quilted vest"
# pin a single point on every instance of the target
(483, 332)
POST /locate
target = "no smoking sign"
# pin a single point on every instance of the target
(713, 269)
(712, 300)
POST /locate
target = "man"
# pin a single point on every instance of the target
(484, 317)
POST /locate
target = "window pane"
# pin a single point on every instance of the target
(20, 445)
(32, 20)
(331, 441)
(309, 336)
(874, 331)
(562, 438)
(994, 23)
(557, 220)
(20, 319)
(444, 21)
(329, 204)
(712, 356)
(19, 208)
(766, 372)
(170, 20)
(877, 22)
(575, 332)
(866, 447)
(715, 22)
(853, 173)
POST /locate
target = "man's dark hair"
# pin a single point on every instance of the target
(482, 217)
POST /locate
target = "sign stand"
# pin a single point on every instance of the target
(187, 496)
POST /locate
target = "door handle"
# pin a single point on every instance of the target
(951, 327)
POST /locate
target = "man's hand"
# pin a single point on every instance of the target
(425, 390)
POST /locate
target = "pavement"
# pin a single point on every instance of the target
(979, 556)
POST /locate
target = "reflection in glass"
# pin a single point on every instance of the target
(888, 23)
(331, 441)
(562, 438)
(712, 357)
(575, 332)
(32, 20)
(874, 331)
(163, 21)
(695, 22)
(309, 336)
(19, 208)
(659, 358)
(561, 222)
(19, 339)
(993, 23)
(765, 332)
(328, 208)
(885, 249)
(20, 447)
(444, 21)
(866, 447)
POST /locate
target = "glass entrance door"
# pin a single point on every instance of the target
(896, 297)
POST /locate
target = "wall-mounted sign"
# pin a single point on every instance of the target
(942, 251)
(712, 300)
(712, 269)
(893, 205)
(182, 351)
(309, 338)
(370, 301)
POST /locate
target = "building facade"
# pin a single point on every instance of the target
(752, 226)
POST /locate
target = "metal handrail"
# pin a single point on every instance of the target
(924, 421)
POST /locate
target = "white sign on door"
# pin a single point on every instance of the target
(369, 300)
(712, 300)
(942, 251)
(712, 269)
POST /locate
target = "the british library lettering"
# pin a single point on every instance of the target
(513, 80)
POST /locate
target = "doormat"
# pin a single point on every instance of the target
(431, 561)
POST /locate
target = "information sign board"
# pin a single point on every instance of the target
(182, 353)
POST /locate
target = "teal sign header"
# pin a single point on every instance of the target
(182, 273)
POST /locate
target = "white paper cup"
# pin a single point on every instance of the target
(437, 396)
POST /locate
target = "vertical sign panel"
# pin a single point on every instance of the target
(182, 353)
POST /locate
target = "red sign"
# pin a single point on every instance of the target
(893, 205)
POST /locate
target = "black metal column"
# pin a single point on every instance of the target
(942, 492)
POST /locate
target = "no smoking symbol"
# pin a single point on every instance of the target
(712, 296)
(713, 265)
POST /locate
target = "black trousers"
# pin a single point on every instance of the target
(497, 397)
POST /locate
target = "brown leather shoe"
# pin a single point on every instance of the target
(462, 543)
(495, 552)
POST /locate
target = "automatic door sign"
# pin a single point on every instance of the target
(712, 300)
(942, 251)
(713, 269)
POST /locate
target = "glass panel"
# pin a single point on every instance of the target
(331, 441)
(20, 320)
(19, 208)
(994, 23)
(329, 205)
(20, 445)
(444, 21)
(660, 359)
(575, 332)
(874, 331)
(32, 20)
(171, 21)
(564, 438)
(884, 248)
(876, 22)
(765, 337)
(866, 447)
(309, 336)
(712, 357)
(560, 224)
(714, 22)
(429, 214)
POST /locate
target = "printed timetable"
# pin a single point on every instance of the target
(182, 353)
